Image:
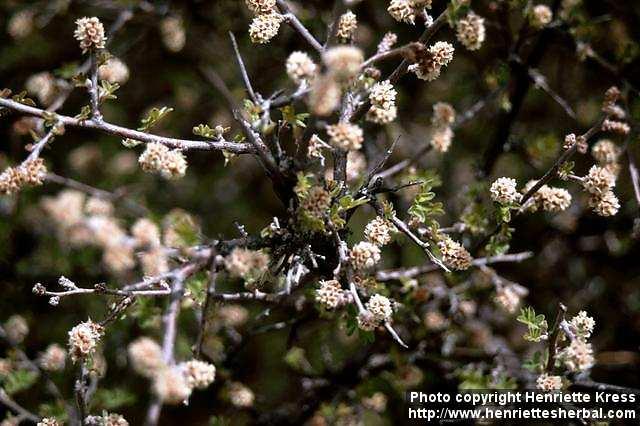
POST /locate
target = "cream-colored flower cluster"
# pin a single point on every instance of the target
(266, 23)
(90, 33)
(158, 158)
(547, 198)
(383, 103)
(240, 395)
(245, 263)
(364, 255)
(114, 71)
(16, 328)
(173, 384)
(43, 86)
(345, 136)
(316, 203)
(453, 254)
(407, 10)
(430, 61)
(174, 35)
(300, 67)
(83, 222)
(599, 183)
(541, 16)
(343, 64)
(347, 26)
(378, 310)
(470, 31)
(503, 190)
(441, 126)
(388, 41)
(29, 173)
(53, 358)
(83, 340)
(509, 296)
(548, 382)
(331, 295)
(379, 231)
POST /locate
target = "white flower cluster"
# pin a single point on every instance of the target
(53, 358)
(383, 103)
(29, 173)
(430, 62)
(548, 382)
(343, 62)
(470, 31)
(509, 297)
(407, 10)
(379, 231)
(578, 356)
(347, 25)
(239, 395)
(42, 85)
(503, 190)
(364, 255)
(266, 23)
(300, 67)
(114, 71)
(90, 33)
(346, 136)
(174, 35)
(245, 263)
(83, 340)
(442, 134)
(331, 295)
(599, 183)
(82, 222)
(541, 16)
(173, 384)
(454, 255)
(16, 328)
(547, 198)
(158, 158)
(378, 310)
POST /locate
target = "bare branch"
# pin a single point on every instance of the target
(182, 144)
(293, 20)
(396, 274)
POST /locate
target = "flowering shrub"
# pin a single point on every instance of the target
(358, 208)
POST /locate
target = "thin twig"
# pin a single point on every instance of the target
(396, 274)
(243, 69)
(182, 144)
(292, 19)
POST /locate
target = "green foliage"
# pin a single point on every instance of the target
(18, 381)
(475, 218)
(536, 324)
(153, 118)
(499, 243)
(295, 120)
(303, 185)
(424, 208)
(207, 132)
(111, 399)
(566, 169)
(84, 114)
(219, 421)
(182, 228)
(108, 90)
(22, 98)
(296, 358)
(538, 362)
(197, 286)
(474, 378)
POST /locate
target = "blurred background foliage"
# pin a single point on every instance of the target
(582, 260)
